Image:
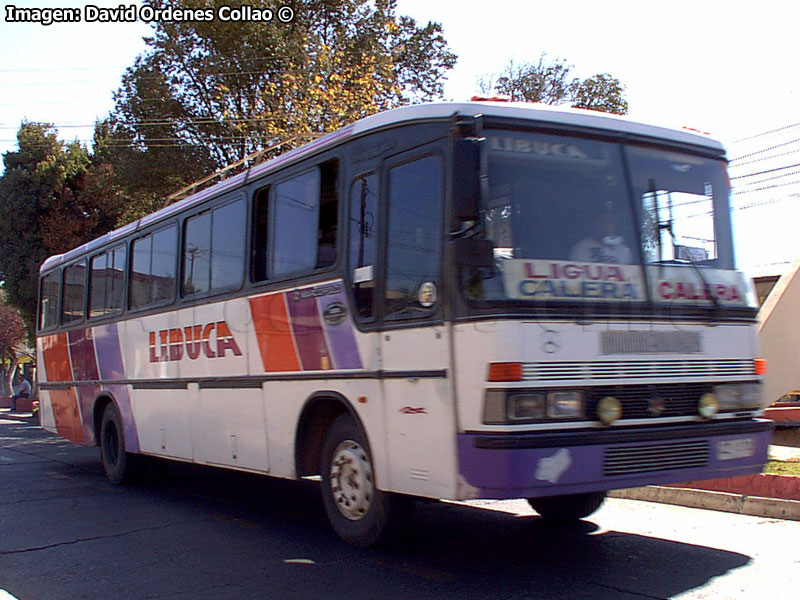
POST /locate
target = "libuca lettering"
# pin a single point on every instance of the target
(212, 340)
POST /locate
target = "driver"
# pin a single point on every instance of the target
(604, 244)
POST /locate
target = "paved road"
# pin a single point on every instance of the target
(205, 534)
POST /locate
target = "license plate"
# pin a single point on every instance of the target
(733, 449)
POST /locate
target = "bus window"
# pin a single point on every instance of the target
(213, 250)
(107, 283)
(72, 303)
(48, 306)
(260, 234)
(414, 237)
(153, 268)
(363, 241)
(303, 221)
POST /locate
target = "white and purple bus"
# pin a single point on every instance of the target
(444, 301)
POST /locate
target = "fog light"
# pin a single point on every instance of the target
(609, 409)
(708, 406)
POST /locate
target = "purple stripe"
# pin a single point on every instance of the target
(81, 353)
(111, 367)
(340, 335)
(307, 330)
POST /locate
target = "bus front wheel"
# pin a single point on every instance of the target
(567, 508)
(360, 513)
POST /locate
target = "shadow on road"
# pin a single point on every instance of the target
(234, 533)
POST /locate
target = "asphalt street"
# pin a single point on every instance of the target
(65, 533)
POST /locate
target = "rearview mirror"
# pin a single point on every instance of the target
(466, 178)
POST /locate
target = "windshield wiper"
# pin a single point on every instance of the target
(660, 226)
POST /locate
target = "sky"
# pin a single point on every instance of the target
(726, 68)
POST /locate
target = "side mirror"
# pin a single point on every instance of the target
(466, 178)
(473, 252)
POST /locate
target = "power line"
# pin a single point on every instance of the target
(759, 172)
(773, 178)
(763, 158)
(765, 150)
(766, 187)
(751, 137)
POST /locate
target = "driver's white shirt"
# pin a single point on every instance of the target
(591, 250)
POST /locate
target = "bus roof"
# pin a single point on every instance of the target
(535, 113)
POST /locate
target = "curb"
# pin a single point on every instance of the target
(773, 508)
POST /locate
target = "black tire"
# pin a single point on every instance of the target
(564, 509)
(360, 513)
(120, 466)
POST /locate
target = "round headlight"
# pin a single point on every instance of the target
(609, 409)
(708, 406)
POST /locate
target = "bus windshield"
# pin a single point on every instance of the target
(565, 228)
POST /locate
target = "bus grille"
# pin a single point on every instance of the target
(629, 460)
(649, 401)
(637, 369)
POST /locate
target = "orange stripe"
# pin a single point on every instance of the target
(55, 350)
(274, 333)
(65, 411)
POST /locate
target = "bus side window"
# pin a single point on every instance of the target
(107, 283)
(328, 215)
(72, 303)
(48, 309)
(260, 233)
(414, 235)
(153, 268)
(304, 215)
(213, 249)
(363, 242)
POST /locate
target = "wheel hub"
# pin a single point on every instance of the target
(351, 480)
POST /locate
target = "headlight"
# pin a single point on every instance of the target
(750, 395)
(526, 407)
(727, 396)
(737, 396)
(565, 405)
(502, 407)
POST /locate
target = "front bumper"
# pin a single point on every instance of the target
(555, 463)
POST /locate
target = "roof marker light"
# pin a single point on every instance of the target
(480, 98)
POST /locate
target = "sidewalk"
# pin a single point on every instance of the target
(771, 496)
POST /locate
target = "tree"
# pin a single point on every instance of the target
(52, 199)
(209, 93)
(549, 82)
(12, 335)
(601, 92)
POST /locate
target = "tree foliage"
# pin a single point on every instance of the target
(550, 82)
(52, 199)
(209, 93)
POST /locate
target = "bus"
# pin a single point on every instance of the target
(479, 300)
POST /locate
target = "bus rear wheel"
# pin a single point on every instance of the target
(360, 513)
(564, 509)
(120, 467)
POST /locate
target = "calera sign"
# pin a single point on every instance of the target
(592, 282)
(682, 285)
